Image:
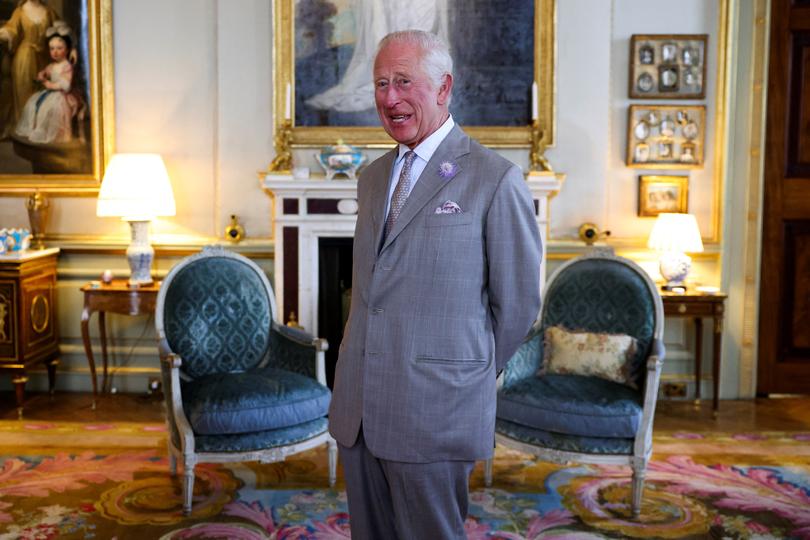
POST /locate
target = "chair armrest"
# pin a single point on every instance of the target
(298, 351)
(302, 337)
(657, 353)
(525, 362)
(655, 362)
(181, 431)
(163, 348)
(172, 361)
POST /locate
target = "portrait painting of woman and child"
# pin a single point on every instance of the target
(45, 97)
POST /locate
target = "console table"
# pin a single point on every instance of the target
(698, 305)
(28, 333)
(114, 297)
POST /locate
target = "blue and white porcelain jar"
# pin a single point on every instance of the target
(340, 159)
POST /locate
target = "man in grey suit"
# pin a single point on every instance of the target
(445, 286)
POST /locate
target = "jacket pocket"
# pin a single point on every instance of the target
(448, 220)
(422, 358)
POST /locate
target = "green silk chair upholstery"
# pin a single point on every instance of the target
(239, 386)
(577, 418)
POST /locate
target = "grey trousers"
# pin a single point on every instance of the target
(404, 501)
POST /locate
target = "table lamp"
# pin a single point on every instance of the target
(136, 188)
(674, 235)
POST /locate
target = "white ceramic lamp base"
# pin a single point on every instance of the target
(674, 268)
(140, 254)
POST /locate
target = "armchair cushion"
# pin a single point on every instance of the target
(572, 405)
(258, 400)
(596, 354)
(603, 295)
(260, 440)
(564, 443)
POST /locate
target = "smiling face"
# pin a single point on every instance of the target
(408, 102)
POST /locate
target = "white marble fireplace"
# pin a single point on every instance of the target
(305, 211)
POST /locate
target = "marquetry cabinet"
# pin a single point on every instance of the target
(28, 334)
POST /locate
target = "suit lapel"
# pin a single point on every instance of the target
(379, 194)
(455, 145)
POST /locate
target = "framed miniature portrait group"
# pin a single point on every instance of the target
(667, 136)
(668, 66)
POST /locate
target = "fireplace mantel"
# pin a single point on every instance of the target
(305, 210)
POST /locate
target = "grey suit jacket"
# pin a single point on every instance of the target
(438, 308)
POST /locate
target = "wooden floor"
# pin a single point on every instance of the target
(78, 407)
(782, 414)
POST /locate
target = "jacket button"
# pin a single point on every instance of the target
(377, 310)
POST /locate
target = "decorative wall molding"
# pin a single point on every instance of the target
(753, 211)
(74, 244)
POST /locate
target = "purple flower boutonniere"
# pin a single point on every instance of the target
(448, 170)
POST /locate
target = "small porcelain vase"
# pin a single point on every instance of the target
(15, 239)
(340, 159)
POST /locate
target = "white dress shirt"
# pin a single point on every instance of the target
(424, 151)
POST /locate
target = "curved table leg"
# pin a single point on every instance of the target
(88, 350)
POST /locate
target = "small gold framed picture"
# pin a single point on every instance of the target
(658, 194)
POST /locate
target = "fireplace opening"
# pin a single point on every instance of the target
(334, 295)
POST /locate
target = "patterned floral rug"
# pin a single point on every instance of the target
(111, 481)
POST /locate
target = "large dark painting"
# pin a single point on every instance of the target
(325, 50)
(492, 43)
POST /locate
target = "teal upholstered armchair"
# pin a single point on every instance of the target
(239, 386)
(598, 342)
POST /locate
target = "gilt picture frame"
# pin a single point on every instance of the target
(658, 194)
(69, 160)
(667, 66)
(666, 136)
(325, 47)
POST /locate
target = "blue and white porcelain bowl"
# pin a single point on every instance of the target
(340, 159)
(14, 240)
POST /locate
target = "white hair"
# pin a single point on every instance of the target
(435, 59)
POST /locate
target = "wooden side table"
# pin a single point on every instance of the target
(28, 333)
(115, 297)
(698, 305)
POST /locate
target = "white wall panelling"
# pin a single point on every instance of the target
(193, 81)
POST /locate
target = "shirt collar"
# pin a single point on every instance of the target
(427, 148)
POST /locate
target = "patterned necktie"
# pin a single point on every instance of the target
(400, 193)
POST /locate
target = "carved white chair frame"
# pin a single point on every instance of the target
(642, 446)
(186, 452)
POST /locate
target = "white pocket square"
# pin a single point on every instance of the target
(449, 207)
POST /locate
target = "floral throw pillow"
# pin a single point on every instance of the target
(607, 356)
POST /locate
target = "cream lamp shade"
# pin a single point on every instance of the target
(674, 235)
(136, 188)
